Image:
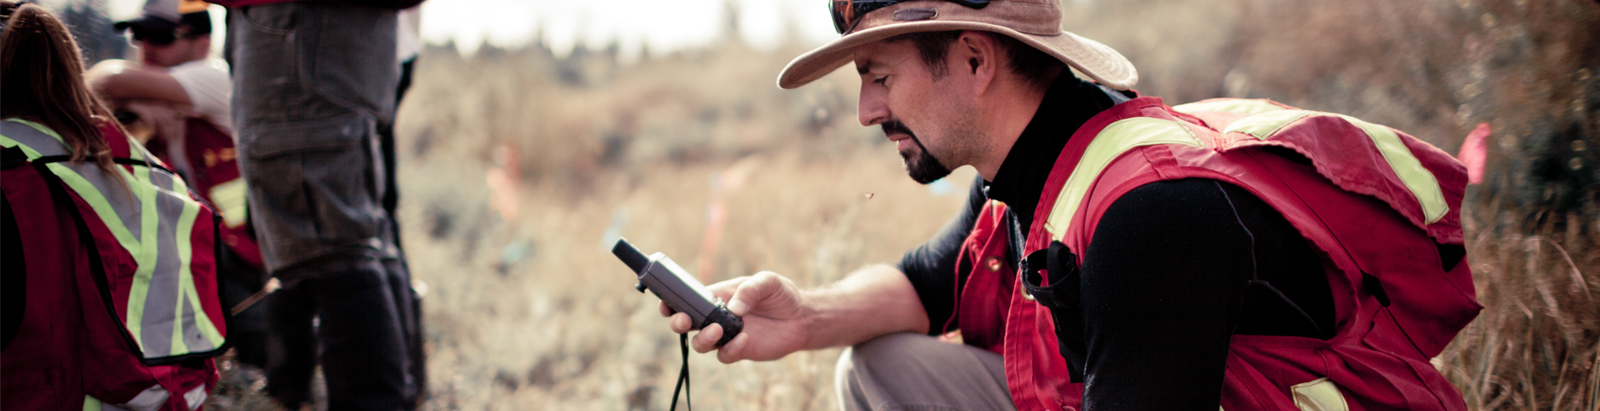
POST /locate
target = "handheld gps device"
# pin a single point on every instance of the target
(678, 289)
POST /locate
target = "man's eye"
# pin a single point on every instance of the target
(880, 80)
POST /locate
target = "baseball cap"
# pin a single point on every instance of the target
(165, 16)
(1036, 23)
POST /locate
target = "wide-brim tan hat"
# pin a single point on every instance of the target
(1035, 22)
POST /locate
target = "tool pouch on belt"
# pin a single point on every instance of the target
(1061, 297)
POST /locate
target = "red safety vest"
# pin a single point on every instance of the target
(213, 172)
(1376, 202)
(122, 303)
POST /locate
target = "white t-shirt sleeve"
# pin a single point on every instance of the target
(408, 37)
(209, 89)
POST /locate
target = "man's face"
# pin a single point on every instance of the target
(179, 51)
(926, 115)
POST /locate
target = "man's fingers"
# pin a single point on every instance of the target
(680, 323)
(751, 292)
(706, 340)
(743, 295)
(733, 351)
(666, 311)
(724, 289)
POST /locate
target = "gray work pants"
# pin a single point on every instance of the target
(905, 371)
(313, 82)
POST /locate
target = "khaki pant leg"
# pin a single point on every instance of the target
(905, 371)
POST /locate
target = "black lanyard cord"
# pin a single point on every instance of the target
(683, 375)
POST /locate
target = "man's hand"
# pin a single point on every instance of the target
(780, 319)
(776, 319)
(166, 121)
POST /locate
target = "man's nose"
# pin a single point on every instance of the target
(870, 110)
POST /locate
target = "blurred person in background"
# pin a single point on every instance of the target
(1117, 253)
(109, 282)
(174, 73)
(175, 101)
(314, 86)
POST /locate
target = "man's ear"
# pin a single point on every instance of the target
(979, 55)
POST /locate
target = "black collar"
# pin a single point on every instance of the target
(1066, 106)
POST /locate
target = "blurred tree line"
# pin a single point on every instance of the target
(90, 23)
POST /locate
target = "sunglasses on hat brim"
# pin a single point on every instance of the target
(158, 37)
(847, 13)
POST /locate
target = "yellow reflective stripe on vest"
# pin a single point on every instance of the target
(150, 399)
(1241, 106)
(165, 216)
(1115, 139)
(42, 129)
(195, 317)
(86, 190)
(1264, 125)
(1318, 395)
(8, 143)
(1417, 179)
(185, 280)
(232, 201)
(172, 305)
(32, 154)
(145, 255)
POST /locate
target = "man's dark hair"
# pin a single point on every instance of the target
(1026, 62)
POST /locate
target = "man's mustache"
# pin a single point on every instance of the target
(895, 126)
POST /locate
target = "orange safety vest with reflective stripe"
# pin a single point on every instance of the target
(1381, 206)
(122, 303)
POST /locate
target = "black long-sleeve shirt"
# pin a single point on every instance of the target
(1164, 280)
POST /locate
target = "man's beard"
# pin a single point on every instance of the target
(921, 166)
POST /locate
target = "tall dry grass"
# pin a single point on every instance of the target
(528, 310)
(1536, 345)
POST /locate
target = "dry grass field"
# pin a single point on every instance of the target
(519, 169)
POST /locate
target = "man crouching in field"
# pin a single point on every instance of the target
(1118, 253)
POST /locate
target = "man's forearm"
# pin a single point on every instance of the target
(121, 81)
(872, 301)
